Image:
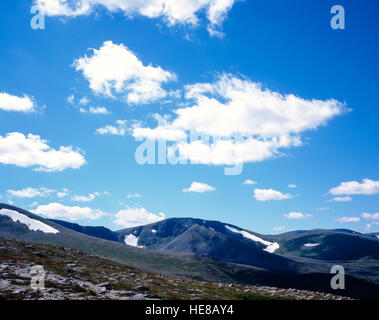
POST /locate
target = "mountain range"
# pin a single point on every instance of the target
(215, 251)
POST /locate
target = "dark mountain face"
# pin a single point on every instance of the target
(203, 241)
(212, 239)
(230, 243)
(98, 232)
(330, 245)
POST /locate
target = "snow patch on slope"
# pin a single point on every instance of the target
(310, 245)
(271, 246)
(132, 240)
(32, 224)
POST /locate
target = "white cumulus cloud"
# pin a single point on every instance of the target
(270, 194)
(32, 151)
(366, 187)
(247, 123)
(10, 102)
(60, 211)
(199, 187)
(114, 69)
(185, 12)
(132, 217)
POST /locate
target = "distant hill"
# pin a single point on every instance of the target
(210, 238)
(329, 245)
(98, 232)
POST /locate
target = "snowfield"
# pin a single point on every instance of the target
(271, 246)
(310, 245)
(132, 240)
(32, 224)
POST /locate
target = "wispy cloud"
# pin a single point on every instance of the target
(30, 192)
(341, 199)
(119, 129)
(95, 110)
(297, 215)
(348, 219)
(133, 195)
(249, 182)
(87, 198)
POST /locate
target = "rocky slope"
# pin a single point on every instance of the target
(75, 275)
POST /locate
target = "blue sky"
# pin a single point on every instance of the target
(286, 46)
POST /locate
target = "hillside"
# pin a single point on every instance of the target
(265, 269)
(75, 275)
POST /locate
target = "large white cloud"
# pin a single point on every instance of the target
(270, 194)
(232, 104)
(132, 217)
(10, 102)
(60, 211)
(114, 69)
(171, 11)
(366, 187)
(199, 187)
(32, 151)
(247, 123)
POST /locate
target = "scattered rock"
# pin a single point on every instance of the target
(39, 254)
(105, 285)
